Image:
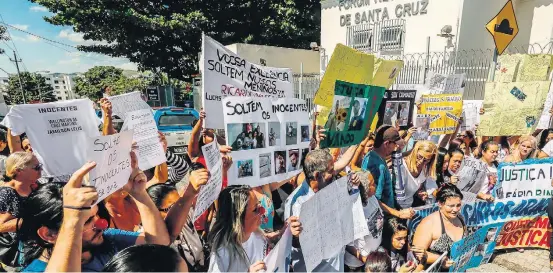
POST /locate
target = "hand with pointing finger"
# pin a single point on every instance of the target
(77, 200)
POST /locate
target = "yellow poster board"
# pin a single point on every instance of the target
(512, 109)
(507, 67)
(440, 114)
(534, 67)
(346, 64)
(386, 72)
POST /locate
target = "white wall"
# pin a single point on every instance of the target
(535, 19)
(438, 14)
(475, 16)
(279, 57)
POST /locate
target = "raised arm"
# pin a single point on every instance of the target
(178, 214)
(107, 117)
(77, 202)
(193, 143)
(14, 142)
(344, 161)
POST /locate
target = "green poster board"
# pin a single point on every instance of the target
(352, 113)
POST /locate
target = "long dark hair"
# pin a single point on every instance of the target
(158, 192)
(393, 225)
(378, 261)
(144, 258)
(43, 208)
(442, 152)
(486, 146)
(227, 232)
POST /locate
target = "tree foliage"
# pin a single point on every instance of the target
(35, 87)
(93, 82)
(3, 37)
(165, 35)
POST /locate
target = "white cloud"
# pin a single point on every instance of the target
(71, 36)
(32, 39)
(38, 9)
(28, 38)
(22, 27)
(72, 61)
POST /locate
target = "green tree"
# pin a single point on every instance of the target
(93, 82)
(165, 35)
(3, 37)
(35, 87)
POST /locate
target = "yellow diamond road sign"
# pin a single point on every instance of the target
(504, 27)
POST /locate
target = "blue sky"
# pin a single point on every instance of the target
(39, 55)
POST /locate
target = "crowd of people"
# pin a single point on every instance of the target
(51, 225)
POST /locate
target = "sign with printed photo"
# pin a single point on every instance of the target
(397, 108)
(354, 107)
(268, 137)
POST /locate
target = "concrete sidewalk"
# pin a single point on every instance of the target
(531, 260)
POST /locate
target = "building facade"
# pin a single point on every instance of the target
(63, 84)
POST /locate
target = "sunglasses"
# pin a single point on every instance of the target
(167, 208)
(38, 167)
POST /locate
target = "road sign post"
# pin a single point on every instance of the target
(503, 27)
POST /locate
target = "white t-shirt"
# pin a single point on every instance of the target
(375, 221)
(255, 248)
(548, 148)
(60, 132)
(412, 185)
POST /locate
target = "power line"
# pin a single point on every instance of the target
(14, 46)
(8, 45)
(38, 36)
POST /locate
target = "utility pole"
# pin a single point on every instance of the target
(17, 61)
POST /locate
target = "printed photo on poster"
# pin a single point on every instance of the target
(357, 114)
(423, 128)
(246, 136)
(291, 133)
(264, 165)
(274, 134)
(304, 153)
(337, 117)
(293, 160)
(280, 162)
(245, 168)
(397, 108)
(305, 133)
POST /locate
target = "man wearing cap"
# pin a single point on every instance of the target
(387, 140)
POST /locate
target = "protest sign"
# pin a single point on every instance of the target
(471, 114)
(210, 191)
(150, 151)
(397, 106)
(278, 259)
(327, 223)
(439, 114)
(113, 162)
(525, 232)
(227, 74)
(355, 106)
(445, 84)
(507, 67)
(482, 213)
(268, 137)
(58, 131)
(386, 72)
(472, 175)
(534, 67)
(530, 178)
(437, 265)
(545, 119)
(476, 249)
(346, 64)
(124, 104)
(512, 109)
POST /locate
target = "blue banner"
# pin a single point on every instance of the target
(475, 249)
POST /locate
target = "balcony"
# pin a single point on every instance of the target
(381, 38)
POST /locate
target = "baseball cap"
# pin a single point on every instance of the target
(386, 133)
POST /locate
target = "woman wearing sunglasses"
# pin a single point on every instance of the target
(418, 175)
(22, 172)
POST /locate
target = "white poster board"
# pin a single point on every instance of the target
(124, 104)
(445, 84)
(276, 259)
(113, 162)
(210, 191)
(150, 150)
(268, 138)
(327, 222)
(227, 74)
(545, 118)
(471, 114)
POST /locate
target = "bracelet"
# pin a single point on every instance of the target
(76, 208)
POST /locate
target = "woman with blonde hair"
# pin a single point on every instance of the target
(417, 176)
(22, 172)
(525, 148)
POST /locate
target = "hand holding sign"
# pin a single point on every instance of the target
(105, 104)
(78, 200)
(295, 226)
(197, 179)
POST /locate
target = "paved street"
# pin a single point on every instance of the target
(531, 260)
